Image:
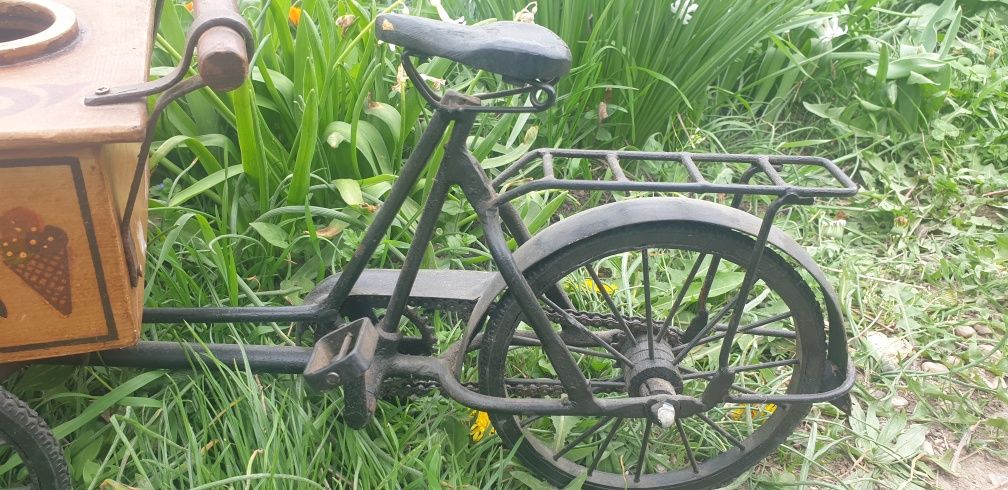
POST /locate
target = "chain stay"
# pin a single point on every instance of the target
(397, 388)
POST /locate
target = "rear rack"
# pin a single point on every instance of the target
(616, 178)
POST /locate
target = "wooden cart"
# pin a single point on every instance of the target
(66, 284)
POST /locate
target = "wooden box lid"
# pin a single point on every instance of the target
(54, 53)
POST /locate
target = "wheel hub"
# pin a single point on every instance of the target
(644, 368)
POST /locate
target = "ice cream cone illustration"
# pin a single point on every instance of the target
(38, 254)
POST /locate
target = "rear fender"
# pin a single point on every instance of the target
(668, 209)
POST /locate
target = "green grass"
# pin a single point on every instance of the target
(261, 193)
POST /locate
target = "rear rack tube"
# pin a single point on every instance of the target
(696, 183)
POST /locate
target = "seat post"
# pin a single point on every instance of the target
(452, 100)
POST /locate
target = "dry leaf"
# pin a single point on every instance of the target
(329, 231)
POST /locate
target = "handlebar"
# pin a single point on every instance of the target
(222, 56)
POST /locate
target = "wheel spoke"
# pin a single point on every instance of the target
(698, 337)
(742, 389)
(610, 303)
(531, 420)
(645, 264)
(766, 321)
(740, 369)
(752, 329)
(720, 430)
(644, 448)
(764, 365)
(680, 296)
(758, 331)
(586, 434)
(577, 325)
(692, 374)
(686, 444)
(708, 282)
(605, 445)
(524, 341)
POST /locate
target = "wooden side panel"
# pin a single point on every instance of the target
(64, 286)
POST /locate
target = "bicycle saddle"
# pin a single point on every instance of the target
(517, 51)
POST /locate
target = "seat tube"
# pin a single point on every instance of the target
(408, 177)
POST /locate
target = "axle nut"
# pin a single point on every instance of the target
(333, 379)
(664, 414)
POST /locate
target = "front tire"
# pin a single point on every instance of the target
(30, 457)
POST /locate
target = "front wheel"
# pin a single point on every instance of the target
(655, 299)
(30, 457)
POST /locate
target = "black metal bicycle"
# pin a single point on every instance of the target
(659, 341)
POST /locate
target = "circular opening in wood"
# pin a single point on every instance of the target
(33, 28)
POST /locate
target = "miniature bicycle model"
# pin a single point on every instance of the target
(650, 342)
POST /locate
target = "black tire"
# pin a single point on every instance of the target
(24, 432)
(774, 273)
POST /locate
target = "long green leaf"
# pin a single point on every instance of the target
(205, 184)
(301, 175)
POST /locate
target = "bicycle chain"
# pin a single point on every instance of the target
(397, 388)
(636, 324)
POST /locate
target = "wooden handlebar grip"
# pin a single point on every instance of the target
(221, 55)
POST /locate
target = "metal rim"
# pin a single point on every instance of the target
(536, 453)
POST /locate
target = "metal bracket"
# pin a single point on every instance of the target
(173, 93)
(132, 93)
(542, 94)
(172, 87)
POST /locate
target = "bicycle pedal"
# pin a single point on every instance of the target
(342, 356)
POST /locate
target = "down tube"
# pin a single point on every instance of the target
(408, 177)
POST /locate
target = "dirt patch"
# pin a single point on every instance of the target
(978, 471)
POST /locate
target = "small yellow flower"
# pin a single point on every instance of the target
(590, 285)
(294, 14)
(480, 425)
(755, 411)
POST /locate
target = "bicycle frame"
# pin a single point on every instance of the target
(494, 210)
(357, 314)
(457, 167)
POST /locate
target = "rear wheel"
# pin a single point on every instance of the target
(655, 299)
(30, 457)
